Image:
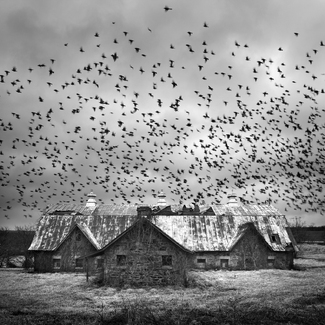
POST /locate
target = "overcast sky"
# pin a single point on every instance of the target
(196, 98)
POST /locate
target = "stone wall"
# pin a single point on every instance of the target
(251, 252)
(144, 256)
(212, 260)
(65, 258)
(235, 261)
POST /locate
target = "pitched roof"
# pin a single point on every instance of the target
(195, 232)
(89, 235)
(85, 230)
(216, 233)
(242, 230)
(52, 229)
(141, 219)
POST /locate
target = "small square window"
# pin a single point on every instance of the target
(120, 260)
(224, 263)
(56, 263)
(166, 260)
(201, 260)
(275, 238)
(78, 237)
(79, 262)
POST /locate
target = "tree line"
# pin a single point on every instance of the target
(14, 246)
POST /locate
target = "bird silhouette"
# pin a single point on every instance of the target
(199, 119)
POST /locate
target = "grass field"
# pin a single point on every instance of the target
(214, 297)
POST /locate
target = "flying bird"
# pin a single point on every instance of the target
(114, 56)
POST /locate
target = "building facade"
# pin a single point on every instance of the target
(147, 245)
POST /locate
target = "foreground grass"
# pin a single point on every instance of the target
(217, 297)
(214, 297)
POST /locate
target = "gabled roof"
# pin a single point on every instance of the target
(52, 229)
(89, 235)
(141, 219)
(85, 230)
(215, 233)
(242, 230)
(195, 232)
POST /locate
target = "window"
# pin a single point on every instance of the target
(224, 263)
(100, 263)
(166, 260)
(120, 260)
(270, 261)
(163, 248)
(78, 237)
(201, 260)
(275, 238)
(56, 263)
(79, 262)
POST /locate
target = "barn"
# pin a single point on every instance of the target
(139, 244)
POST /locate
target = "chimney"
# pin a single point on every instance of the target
(91, 203)
(162, 199)
(232, 199)
(144, 211)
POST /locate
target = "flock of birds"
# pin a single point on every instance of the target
(126, 121)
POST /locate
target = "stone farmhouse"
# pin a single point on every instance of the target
(139, 245)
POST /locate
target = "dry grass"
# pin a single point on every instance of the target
(214, 297)
(310, 251)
